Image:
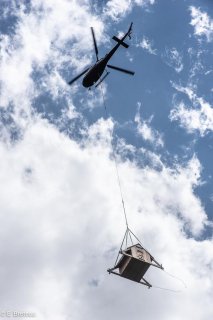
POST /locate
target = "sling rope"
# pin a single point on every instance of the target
(172, 290)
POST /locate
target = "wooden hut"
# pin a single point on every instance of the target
(134, 263)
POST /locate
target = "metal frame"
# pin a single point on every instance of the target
(122, 252)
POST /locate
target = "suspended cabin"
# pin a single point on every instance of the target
(134, 263)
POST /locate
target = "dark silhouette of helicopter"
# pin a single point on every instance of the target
(94, 73)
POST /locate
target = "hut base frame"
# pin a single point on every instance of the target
(142, 281)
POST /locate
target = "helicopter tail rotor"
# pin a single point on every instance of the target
(121, 42)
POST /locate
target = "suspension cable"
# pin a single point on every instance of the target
(116, 163)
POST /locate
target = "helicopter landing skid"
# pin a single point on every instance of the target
(101, 80)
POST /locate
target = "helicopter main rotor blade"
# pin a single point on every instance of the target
(120, 69)
(77, 77)
(95, 43)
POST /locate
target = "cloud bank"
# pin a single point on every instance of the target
(198, 118)
(202, 23)
(60, 206)
(64, 225)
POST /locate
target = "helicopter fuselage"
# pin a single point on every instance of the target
(96, 71)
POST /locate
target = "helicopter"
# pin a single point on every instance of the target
(94, 72)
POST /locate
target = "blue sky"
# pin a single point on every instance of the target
(60, 204)
(179, 59)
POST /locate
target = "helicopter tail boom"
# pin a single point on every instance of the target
(130, 28)
(120, 41)
(129, 32)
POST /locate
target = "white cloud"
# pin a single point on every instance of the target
(189, 91)
(208, 72)
(145, 130)
(202, 23)
(64, 226)
(198, 118)
(94, 98)
(117, 9)
(173, 58)
(147, 45)
(198, 66)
